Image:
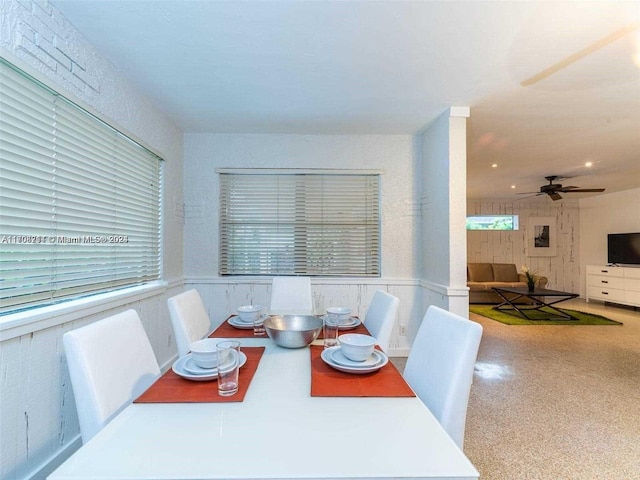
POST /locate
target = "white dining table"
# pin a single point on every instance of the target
(279, 431)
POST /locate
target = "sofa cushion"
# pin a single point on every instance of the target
(491, 285)
(477, 286)
(480, 272)
(504, 272)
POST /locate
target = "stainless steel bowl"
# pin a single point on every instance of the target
(293, 331)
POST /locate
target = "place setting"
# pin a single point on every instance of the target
(355, 353)
(351, 365)
(201, 365)
(209, 359)
(246, 323)
(343, 317)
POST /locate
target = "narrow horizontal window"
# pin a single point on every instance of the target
(492, 222)
(79, 201)
(315, 224)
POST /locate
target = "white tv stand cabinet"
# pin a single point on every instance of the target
(614, 284)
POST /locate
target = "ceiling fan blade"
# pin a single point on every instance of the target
(555, 196)
(597, 45)
(529, 193)
(570, 187)
(583, 190)
(529, 196)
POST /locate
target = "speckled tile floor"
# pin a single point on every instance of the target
(557, 402)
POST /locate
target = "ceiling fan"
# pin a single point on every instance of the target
(554, 189)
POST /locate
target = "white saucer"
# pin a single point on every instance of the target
(327, 357)
(349, 324)
(237, 323)
(337, 356)
(180, 368)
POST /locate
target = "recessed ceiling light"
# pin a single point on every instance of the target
(494, 165)
(513, 186)
(588, 164)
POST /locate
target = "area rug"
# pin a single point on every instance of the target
(509, 319)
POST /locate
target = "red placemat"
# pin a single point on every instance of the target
(329, 382)
(225, 330)
(172, 388)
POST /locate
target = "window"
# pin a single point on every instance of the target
(492, 222)
(79, 201)
(299, 223)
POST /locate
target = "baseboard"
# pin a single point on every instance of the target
(398, 352)
(56, 460)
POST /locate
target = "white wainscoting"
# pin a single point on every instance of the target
(38, 413)
(222, 295)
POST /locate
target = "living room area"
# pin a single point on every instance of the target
(561, 399)
(579, 235)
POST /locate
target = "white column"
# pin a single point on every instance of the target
(444, 210)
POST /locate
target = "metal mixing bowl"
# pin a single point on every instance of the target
(293, 331)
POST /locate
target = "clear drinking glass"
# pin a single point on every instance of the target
(330, 330)
(228, 367)
(258, 325)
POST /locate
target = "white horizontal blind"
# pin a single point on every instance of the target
(300, 224)
(79, 201)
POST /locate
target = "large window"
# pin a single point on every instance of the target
(299, 223)
(79, 201)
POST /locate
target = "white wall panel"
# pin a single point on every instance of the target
(38, 423)
(563, 270)
(394, 154)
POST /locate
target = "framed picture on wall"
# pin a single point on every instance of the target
(541, 237)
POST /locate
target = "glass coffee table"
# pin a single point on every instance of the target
(539, 298)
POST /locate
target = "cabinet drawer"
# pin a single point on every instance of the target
(603, 281)
(605, 271)
(609, 294)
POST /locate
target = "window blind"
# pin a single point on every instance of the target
(299, 224)
(79, 201)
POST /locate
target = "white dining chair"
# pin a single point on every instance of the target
(440, 367)
(291, 295)
(189, 319)
(111, 363)
(380, 317)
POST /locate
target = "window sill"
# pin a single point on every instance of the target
(22, 323)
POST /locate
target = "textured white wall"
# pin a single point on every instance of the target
(395, 154)
(38, 421)
(617, 212)
(563, 270)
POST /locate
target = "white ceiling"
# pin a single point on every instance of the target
(391, 67)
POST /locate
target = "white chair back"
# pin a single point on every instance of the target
(111, 362)
(189, 319)
(291, 295)
(381, 316)
(440, 367)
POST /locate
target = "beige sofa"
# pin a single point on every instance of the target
(482, 277)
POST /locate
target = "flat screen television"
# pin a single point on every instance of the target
(623, 248)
